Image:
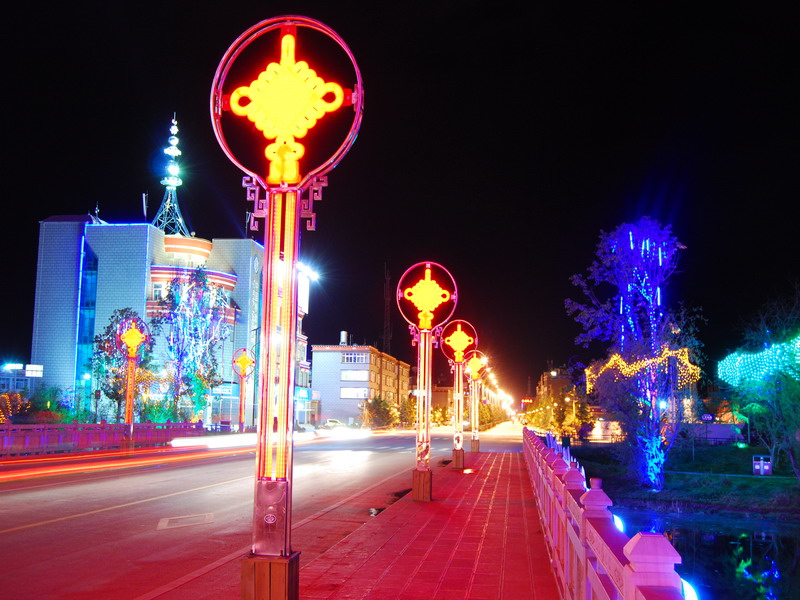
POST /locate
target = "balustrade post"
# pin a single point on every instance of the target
(652, 564)
(574, 488)
(595, 501)
(558, 510)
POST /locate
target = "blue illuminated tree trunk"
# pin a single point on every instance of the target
(625, 287)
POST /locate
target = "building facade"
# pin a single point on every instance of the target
(19, 378)
(87, 269)
(345, 377)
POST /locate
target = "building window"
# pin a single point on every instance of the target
(355, 358)
(352, 375)
(353, 393)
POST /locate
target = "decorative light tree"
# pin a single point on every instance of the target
(637, 260)
(193, 319)
(108, 365)
(741, 367)
(766, 388)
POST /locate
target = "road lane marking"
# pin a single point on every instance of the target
(127, 504)
(168, 587)
(185, 521)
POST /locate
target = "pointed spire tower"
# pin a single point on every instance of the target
(169, 218)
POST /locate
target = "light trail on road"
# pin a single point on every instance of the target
(61, 469)
(142, 457)
(118, 506)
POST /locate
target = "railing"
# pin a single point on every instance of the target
(591, 558)
(74, 437)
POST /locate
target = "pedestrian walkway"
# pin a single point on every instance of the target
(479, 538)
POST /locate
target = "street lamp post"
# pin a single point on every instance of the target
(243, 365)
(458, 337)
(426, 297)
(572, 400)
(282, 103)
(476, 365)
(132, 335)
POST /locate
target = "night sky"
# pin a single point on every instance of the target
(496, 141)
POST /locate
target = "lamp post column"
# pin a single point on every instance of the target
(243, 365)
(475, 386)
(285, 100)
(423, 448)
(457, 338)
(458, 416)
(476, 364)
(132, 334)
(272, 511)
(426, 297)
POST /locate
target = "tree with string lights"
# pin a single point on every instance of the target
(108, 366)
(192, 320)
(653, 350)
(764, 377)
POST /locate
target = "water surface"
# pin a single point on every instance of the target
(728, 557)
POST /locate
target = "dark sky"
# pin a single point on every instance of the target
(496, 141)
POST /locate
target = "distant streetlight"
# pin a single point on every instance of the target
(132, 335)
(426, 297)
(457, 338)
(243, 365)
(476, 367)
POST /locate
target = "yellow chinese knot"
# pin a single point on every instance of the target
(426, 295)
(284, 102)
(687, 372)
(459, 341)
(244, 362)
(475, 364)
(133, 338)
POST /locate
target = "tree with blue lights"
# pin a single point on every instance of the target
(192, 321)
(625, 306)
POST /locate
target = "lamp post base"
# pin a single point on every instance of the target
(127, 445)
(421, 485)
(458, 458)
(476, 446)
(271, 577)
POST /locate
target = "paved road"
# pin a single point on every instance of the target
(138, 533)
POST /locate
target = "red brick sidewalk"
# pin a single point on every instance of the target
(480, 538)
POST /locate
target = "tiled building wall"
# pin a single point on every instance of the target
(56, 300)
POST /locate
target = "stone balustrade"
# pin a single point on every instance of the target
(73, 437)
(590, 557)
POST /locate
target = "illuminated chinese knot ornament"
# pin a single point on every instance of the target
(132, 334)
(458, 337)
(284, 103)
(283, 98)
(476, 363)
(243, 362)
(426, 295)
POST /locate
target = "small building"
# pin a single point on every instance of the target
(345, 377)
(20, 379)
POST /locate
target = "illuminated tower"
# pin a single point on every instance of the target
(168, 218)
